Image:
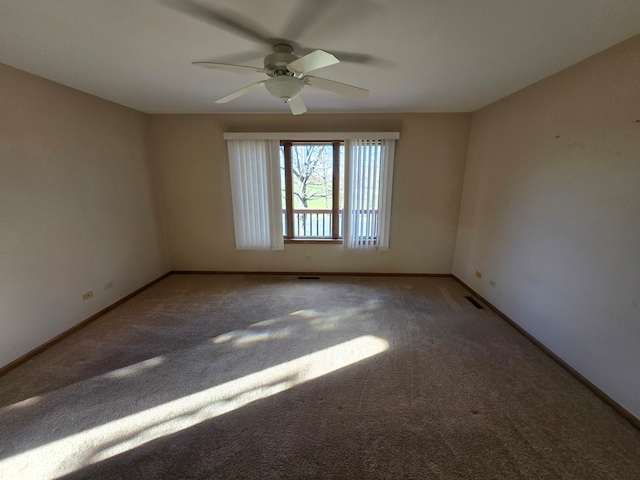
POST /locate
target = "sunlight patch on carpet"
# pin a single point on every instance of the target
(23, 404)
(247, 337)
(136, 369)
(79, 450)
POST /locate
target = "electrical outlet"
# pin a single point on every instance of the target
(308, 257)
(478, 274)
(108, 285)
(87, 295)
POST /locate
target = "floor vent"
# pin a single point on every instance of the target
(308, 278)
(475, 303)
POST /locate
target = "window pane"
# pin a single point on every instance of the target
(312, 174)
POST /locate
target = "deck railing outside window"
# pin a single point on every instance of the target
(316, 222)
(312, 222)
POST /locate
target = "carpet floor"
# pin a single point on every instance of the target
(275, 377)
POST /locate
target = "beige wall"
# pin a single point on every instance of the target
(194, 174)
(77, 209)
(551, 214)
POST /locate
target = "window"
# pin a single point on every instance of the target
(312, 185)
(308, 188)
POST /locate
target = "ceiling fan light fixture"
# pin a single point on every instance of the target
(284, 87)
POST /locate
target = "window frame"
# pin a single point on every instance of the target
(335, 238)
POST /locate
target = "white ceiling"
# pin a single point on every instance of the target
(415, 55)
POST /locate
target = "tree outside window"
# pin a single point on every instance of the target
(312, 189)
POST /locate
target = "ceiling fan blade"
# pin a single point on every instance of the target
(312, 61)
(228, 65)
(297, 105)
(242, 91)
(232, 22)
(336, 87)
(307, 15)
(352, 57)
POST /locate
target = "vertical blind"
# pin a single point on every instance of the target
(255, 187)
(370, 182)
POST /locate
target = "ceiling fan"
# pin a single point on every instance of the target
(288, 76)
(287, 72)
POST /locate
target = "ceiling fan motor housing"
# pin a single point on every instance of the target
(276, 62)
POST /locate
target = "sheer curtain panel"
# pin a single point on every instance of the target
(370, 181)
(255, 186)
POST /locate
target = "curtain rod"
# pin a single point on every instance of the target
(311, 135)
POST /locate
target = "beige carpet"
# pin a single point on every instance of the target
(235, 376)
